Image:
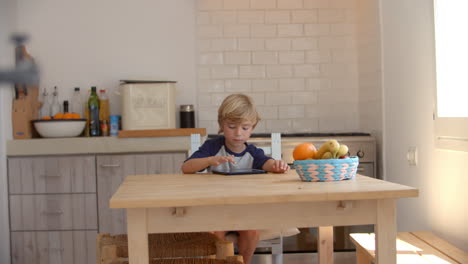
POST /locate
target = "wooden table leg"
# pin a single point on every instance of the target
(385, 232)
(325, 245)
(137, 236)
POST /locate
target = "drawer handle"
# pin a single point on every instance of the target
(360, 169)
(58, 212)
(50, 176)
(110, 165)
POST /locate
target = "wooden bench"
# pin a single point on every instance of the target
(412, 247)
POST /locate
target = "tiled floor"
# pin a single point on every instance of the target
(306, 258)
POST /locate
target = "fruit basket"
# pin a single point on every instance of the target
(327, 169)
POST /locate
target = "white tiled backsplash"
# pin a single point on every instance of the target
(300, 60)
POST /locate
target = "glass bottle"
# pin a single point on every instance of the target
(86, 114)
(55, 107)
(65, 106)
(45, 108)
(77, 103)
(93, 111)
(104, 112)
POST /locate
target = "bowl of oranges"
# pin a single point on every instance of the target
(329, 163)
(60, 125)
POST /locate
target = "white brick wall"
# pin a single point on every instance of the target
(298, 59)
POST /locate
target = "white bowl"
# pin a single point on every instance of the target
(55, 128)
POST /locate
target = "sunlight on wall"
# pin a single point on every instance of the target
(447, 192)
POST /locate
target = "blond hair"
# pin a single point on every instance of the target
(237, 108)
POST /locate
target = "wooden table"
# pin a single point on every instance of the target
(166, 203)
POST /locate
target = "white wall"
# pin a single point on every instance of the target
(297, 59)
(85, 43)
(409, 83)
(7, 18)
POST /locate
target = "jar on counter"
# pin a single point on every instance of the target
(187, 116)
(114, 125)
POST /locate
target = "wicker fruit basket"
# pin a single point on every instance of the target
(327, 169)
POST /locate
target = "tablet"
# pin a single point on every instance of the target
(239, 171)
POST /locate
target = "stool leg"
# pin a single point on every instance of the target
(362, 257)
(277, 252)
(224, 249)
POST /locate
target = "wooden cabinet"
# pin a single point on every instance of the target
(52, 174)
(111, 171)
(53, 212)
(56, 201)
(47, 247)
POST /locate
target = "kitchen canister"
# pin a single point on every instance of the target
(187, 116)
(148, 104)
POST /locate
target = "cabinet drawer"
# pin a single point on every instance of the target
(52, 174)
(112, 170)
(366, 168)
(60, 247)
(53, 212)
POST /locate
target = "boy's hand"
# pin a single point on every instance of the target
(218, 160)
(279, 166)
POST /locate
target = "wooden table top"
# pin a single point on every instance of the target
(180, 190)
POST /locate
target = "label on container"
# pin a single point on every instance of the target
(94, 127)
(114, 125)
(104, 128)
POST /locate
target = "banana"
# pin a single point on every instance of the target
(342, 151)
(327, 155)
(331, 146)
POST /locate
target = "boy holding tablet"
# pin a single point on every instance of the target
(237, 118)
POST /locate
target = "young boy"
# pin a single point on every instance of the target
(237, 117)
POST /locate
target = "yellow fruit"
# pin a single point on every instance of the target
(304, 151)
(46, 118)
(76, 116)
(327, 155)
(331, 146)
(342, 151)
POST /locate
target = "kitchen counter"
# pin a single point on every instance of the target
(96, 145)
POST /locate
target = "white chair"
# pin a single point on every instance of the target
(274, 150)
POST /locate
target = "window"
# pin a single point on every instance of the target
(451, 44)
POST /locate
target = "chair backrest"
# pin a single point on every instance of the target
(195, 143)
(274, 150)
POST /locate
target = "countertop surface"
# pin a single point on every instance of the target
(96, 145)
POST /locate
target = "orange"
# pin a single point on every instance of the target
(304, 151)
(68, 116)
(46, 117)
(58, 116)
(76, 116)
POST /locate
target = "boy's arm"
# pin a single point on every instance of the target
(277, 166)
(195, 165)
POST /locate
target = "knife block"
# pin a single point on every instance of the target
(26, 106)
(25, 109)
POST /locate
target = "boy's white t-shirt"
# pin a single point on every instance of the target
(251, 158)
